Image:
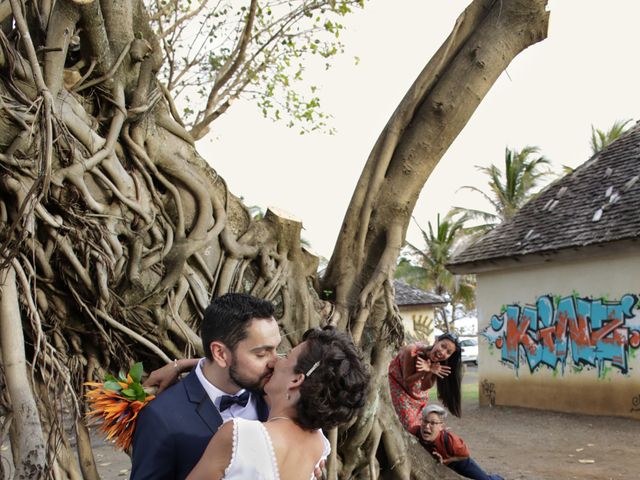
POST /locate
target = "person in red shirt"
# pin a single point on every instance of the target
(446, 446)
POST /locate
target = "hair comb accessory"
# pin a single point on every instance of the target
(312, 369)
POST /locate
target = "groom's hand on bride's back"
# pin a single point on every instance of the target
(163, 377)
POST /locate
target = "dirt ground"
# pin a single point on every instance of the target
(519, 444)
(525, 444)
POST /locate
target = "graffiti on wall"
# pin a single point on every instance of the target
(488, 391)
(556, 332)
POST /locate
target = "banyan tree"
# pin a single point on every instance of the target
(115, 233)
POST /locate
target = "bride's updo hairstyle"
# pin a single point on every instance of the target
(336, 379)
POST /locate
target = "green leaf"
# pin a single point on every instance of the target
(129, 392)
(136, 372)
(111, 385)
(122, 376)
(139, 392)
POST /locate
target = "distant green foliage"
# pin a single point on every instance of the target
(509, 189)
(470, 392)
(218, 51)
(428, 271)
(600, 138)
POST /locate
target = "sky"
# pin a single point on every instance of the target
(585, 73)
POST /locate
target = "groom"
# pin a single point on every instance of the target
(240, 337)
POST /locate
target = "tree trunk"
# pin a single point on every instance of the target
(486, 37)
(118, 233)
(27, 443)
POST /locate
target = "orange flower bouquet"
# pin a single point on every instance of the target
(115, 404)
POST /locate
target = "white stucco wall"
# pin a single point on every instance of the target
(418, 320)
(572, 387)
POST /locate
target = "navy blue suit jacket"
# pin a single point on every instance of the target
(173, 431)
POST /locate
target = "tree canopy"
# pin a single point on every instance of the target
(217, 52)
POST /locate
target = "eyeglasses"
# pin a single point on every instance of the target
(433, 424)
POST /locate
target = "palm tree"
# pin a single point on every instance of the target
(600, 139)
(509, 190)
(430, 273)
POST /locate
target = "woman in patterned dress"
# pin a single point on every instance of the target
(415, 369)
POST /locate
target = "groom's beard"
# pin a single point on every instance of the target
(255, 384)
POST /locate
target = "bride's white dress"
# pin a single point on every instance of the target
(253, 455)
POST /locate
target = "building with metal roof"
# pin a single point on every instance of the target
(557, 292)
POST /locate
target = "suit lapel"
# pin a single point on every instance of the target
(203, 404)
(262, 408)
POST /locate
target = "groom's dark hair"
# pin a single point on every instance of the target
(227, 318)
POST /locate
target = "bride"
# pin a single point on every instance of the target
(320, 384)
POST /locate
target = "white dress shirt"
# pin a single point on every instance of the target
(249, 411)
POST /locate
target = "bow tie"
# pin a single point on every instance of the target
(227, 400)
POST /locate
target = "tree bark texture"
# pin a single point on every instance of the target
(485, 38)
(116, 234)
